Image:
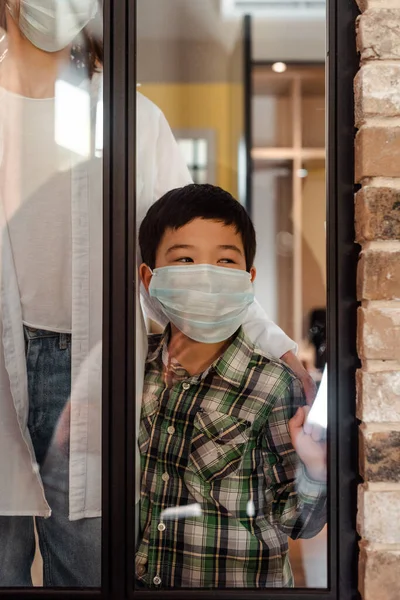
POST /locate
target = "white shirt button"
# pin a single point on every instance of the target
(186, 385)
(157, 580)
(165, 477)
(171, 429)
(161, 527)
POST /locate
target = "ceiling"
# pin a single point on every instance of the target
(202, 20)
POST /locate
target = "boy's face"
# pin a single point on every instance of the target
(200, 242)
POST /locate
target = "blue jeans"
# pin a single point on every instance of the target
(71, 550)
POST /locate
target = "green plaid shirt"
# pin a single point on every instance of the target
(217, 448)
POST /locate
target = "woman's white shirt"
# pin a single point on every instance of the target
(36, 191)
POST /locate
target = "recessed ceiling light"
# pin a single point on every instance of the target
(279, 67)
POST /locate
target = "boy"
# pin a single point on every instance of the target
(228, 470)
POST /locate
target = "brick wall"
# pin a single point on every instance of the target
(377, 115)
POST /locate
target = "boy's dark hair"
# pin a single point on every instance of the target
(182, 205)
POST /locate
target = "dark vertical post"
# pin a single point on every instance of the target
(119, 256)
(132, 282)
(248, 93)
(342, 256)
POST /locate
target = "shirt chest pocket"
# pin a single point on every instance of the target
(217, 444)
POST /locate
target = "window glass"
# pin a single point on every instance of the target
(231, 432)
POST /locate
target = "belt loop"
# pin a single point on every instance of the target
(63, 341)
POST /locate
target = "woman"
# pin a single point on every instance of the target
(44, 202)
(50, 294)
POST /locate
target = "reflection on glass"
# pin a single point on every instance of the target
(51, 287)
(195, 154)
(232, 470)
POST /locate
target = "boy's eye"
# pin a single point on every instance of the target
(184, 259)
(228, 261)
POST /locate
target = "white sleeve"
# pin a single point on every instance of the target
(265, 334)
(171, 169)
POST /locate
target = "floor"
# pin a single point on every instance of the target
(309, 559)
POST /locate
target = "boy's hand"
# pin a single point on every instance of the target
(309, 444)
(310, 389)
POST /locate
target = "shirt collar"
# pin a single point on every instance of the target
(156, 344)
(231, 366)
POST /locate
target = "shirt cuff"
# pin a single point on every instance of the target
(309, 490)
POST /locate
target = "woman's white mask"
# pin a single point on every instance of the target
(52, 25)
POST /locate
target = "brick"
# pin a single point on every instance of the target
(379, 574)
(378, 273)
(378, 517)
(378, 396)
(380, 455)
(377, 214)
(377, 34)
(378, 333)
(366, 4)
(377, 151)
(377, 91)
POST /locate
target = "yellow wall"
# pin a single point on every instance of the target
(216, 106)
(314, 241)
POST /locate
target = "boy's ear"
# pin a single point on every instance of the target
(145, 275)
(253, 274)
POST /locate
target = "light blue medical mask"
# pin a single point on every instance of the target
(206, 303)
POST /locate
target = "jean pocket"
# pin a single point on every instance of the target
(217, 444)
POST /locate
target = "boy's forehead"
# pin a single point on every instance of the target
(204, 231)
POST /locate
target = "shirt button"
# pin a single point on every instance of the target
(186, 385)
(171, 429)
(161, 527)
(157, 580)
(165, 477)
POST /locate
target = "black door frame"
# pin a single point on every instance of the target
(119, 319)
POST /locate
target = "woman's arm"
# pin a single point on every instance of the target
(310, 389)
(270, 338)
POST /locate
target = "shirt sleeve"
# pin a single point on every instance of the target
(265, 334)
(171, 169)
(297, 504)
